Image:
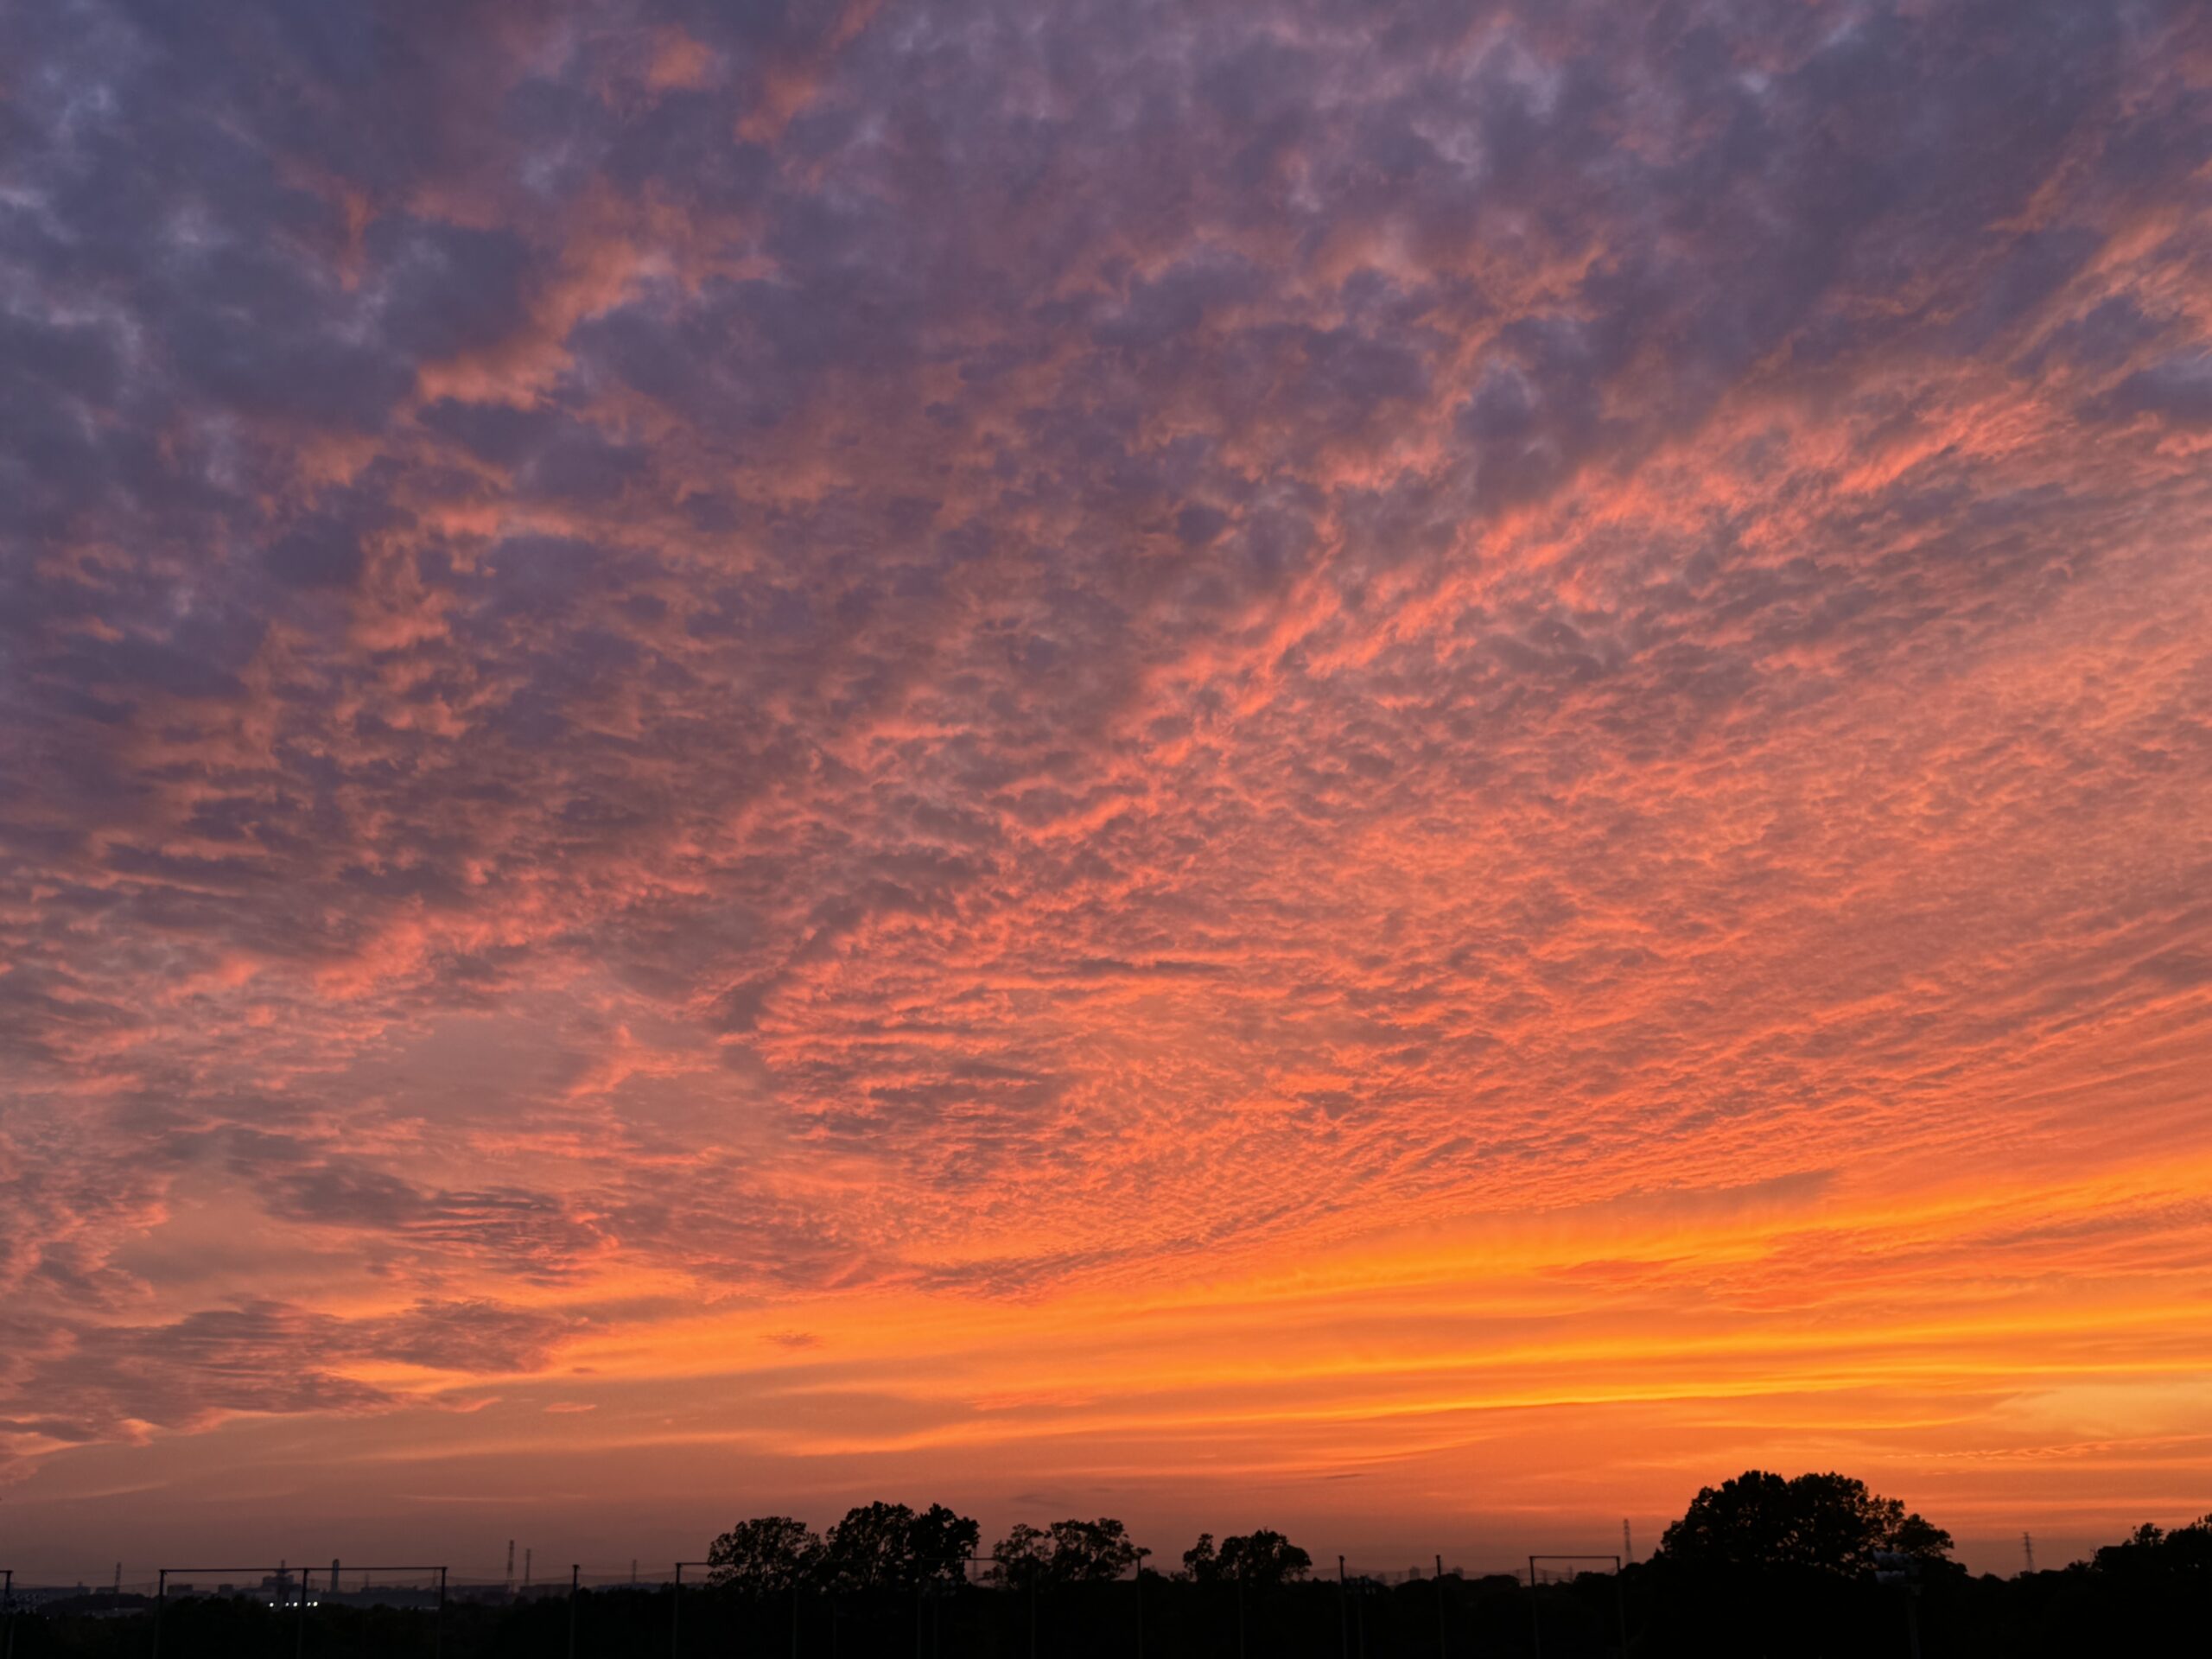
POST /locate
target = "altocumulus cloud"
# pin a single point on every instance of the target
(965, 649)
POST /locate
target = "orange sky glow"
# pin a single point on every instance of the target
(1415, 778)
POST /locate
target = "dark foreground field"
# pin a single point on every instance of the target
(1664, 1612)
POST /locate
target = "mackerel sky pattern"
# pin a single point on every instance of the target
(1439, 765)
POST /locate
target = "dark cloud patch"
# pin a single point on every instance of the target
(511, 1231)
(2175, 392)
(257, 1357)
(503, 434)
(480, 1338)
(448, 289)
(581, 466)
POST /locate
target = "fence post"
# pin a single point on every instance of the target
(160, 1595)
(1344, 1612)
(1441, 1644)
(438, 1628)
(1535, 1613)
(575, 1586)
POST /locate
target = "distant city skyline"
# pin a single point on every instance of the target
(1415, 772)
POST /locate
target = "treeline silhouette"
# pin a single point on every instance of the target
(1762, 1565)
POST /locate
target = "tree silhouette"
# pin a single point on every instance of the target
(1259, 1558)
(1068, 1552)
(2150, 1551)
(888, 1546)
(765, 1555)
(1023, 1557)
(944, 1542)
(1827, 1522)
(1200, 1561)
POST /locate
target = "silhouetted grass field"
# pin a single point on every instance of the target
(1667, 1610)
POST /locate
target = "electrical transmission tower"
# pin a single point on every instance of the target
(1628, 1546)
(2028, 1549)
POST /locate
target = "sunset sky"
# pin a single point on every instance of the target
(1413, 771)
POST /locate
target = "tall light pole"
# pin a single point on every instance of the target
(1142, 1553)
